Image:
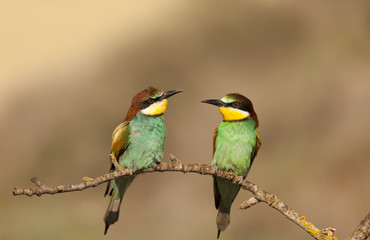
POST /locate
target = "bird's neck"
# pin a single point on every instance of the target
(244, 123)
(146, 118)
(244, 120)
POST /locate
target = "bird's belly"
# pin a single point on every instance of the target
(143, 153)
(235, 157)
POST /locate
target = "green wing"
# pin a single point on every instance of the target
(216, 193)
(120, 138)
(257, 147)
(120, 142)
(214, 141)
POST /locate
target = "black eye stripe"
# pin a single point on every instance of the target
(240, 105)
(148, 102)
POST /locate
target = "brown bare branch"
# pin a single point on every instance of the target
(362, 232)
(175, 165)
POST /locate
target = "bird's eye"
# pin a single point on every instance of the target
(235, 104)
(150, 100)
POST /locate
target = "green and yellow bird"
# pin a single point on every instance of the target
(137, 143)
(235, 145)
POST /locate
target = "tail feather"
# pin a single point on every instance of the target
(223, 218)
(119, 187)
(107, 189)
(112, 213)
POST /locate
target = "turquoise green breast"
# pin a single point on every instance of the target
(146, 142)
(234, 145)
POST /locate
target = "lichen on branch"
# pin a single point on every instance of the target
(362, 232)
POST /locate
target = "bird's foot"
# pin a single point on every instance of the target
(240, 179)
(214, 170)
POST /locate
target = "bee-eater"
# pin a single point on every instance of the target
(137, 143)
(235, 145)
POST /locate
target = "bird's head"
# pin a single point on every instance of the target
(151, 101)
(235, 107)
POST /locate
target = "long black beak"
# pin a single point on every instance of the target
(215, 102)
(170, 93)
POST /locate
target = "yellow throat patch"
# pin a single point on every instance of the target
(230, 114)
(157, 108)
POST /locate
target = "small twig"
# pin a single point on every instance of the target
(249, 203)
(36, 181)
(173, 158)
(328, 231)
(175, 165)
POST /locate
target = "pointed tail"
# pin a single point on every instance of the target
(112, 213)
(223, 218)
(119, 187)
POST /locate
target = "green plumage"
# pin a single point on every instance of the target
(142, 144)
(137, 143)
(145, 142)
(235, 142)
(235, 146)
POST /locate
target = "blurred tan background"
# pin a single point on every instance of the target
(70, 68)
